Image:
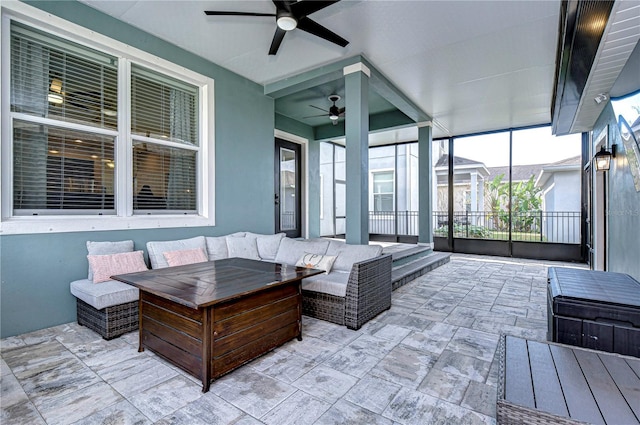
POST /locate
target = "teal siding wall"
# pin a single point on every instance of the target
(623, 209)
(35, 270)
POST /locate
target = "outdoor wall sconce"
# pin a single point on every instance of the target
(603, 158)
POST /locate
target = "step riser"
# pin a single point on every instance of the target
(411, 276)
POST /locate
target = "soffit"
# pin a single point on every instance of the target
(471, 65)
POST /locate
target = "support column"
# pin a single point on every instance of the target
(425, 207)
(474, 196)
(356, 81)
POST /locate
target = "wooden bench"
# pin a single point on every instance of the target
(548, 383)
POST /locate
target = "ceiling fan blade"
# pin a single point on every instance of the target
(277, 40)
(314, 116)
(222, 13)
(312, 27)
(307, 7)
(342, 111)
(283, 5)
(317, 107)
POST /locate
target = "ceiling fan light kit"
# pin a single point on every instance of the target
(291, 15)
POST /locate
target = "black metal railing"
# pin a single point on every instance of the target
(530, 226)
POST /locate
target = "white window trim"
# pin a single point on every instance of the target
(123, 219)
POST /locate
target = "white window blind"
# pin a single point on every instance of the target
(164, 128)
(56, 165)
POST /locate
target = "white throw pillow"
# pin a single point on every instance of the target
(317, 261)
(242, 248)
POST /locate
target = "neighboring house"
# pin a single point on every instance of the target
(561, 197)
(469, 177)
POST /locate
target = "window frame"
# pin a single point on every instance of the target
(385, 171)
(127, 55)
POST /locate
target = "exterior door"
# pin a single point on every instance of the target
(287, 197)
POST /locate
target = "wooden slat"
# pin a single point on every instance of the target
(173, 336)
(627, 381)
(175, 320)
(251, 317)
(580, 401)
(232, 308)
(518, 384)
(239, 339)
(250, 351)
(546, 386)
(173, 354)
(613, 406)
(172, 306)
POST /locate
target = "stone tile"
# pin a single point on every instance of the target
(352, 362)
(284, 366)
(139, 375)
(71, 407)
(373, 346)
(326, 383)
(48, 369)
(340, 336)
(300, 408)
(372, 393)
(11, 391)
(481, 398)
(433, 339)
(444, 385)
(411, 407)
(345, 413)
(510, 310)
(251, 391)
(462, 365)
(312, 348)
(11, 342)
(122, 413)
(481, 345)
(165, 398)
(23, 413)
(434, 316)
(392, 333)
(404, 366)
(206, 410)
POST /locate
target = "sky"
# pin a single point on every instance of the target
(534, 146)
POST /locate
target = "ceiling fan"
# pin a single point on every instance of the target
(291, 15)
(333, 113)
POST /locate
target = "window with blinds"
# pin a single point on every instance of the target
(164, 124)
(66, 135)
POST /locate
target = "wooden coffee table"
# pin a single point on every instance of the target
(209, 318)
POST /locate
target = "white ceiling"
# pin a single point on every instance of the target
(472, 65)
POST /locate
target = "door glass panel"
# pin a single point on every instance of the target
(288, 202)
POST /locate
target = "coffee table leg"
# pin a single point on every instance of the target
(140, 347)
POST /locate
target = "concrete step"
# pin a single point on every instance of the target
(404, 272)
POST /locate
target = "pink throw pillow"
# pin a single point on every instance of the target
(105, 266)
(185, 256)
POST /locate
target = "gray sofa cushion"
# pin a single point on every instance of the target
(242, 248)
(267, 244)
(291, 250)
(347, 254)
(104, 294)
(106, 248)
(156, 249)
(217, 247)
(334, 283)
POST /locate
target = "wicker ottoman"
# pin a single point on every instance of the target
(109, 308)
(109, 322)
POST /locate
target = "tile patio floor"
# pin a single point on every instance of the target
(429, 359)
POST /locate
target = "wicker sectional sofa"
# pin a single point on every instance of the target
(356, 289)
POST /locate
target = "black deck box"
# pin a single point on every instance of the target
(594, 309)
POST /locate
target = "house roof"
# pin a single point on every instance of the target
(568, 164)
(443, 161)
(518, 172)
